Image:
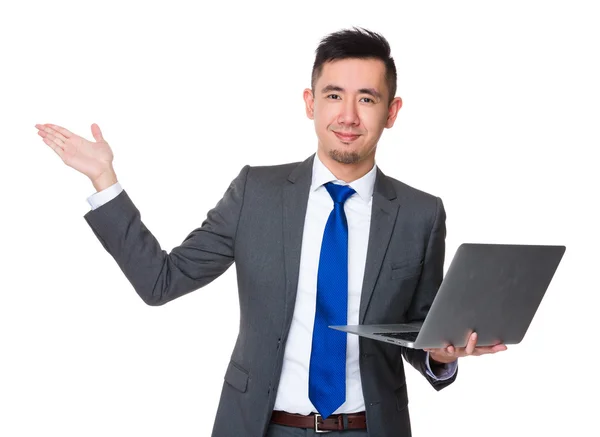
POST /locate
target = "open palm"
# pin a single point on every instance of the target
(90, 158)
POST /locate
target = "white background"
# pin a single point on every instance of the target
(500, 119)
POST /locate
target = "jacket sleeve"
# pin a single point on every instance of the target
(157, 276)
(429, 283)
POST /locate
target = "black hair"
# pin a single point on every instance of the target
(355, 43)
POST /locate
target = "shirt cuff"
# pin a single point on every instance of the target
(98, 199)
(446, 372)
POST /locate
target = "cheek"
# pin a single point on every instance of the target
(371, 120)
(326, 114)
(322, 121)
(374, 124)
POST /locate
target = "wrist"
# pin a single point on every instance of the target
(105, 180)
(439, 361)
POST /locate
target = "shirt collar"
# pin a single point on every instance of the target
(363, 186)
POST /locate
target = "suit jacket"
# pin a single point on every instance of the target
(258, 224)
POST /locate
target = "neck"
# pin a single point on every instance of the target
(347, 172)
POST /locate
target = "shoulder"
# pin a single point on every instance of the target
(275, 176)
(422, 201)
(405, 190)
(271, 173)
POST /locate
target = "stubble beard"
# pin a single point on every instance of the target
(344, 157)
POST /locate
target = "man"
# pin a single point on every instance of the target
(330, 240)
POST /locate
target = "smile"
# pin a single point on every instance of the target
(345, 137)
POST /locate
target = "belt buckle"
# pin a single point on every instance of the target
(317, 430)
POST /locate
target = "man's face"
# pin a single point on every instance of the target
(350, 108)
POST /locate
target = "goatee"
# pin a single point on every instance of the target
(344, 157)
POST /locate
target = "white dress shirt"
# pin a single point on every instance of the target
(292, 394)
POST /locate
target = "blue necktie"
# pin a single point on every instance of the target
(327, 374)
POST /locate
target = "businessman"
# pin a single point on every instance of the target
(330, 240)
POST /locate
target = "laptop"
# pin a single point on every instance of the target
(492, 289)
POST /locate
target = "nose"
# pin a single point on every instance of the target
(348, 114)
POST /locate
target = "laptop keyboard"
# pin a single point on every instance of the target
(408, 336)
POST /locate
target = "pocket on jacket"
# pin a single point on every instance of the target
(236, 377)
(407, 269)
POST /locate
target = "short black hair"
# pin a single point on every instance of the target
(355, 43)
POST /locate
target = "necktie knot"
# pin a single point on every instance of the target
(339, 193)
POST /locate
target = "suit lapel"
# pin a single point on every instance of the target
(383, 216)
(295, 200)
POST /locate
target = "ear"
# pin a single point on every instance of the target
(309, 101)
(393, 109)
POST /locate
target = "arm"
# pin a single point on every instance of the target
(105, 195)
(429, 283)
(157, 276)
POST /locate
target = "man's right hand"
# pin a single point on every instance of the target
(92, 159)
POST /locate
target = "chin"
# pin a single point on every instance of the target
(344, 157)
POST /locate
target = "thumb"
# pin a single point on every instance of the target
(97, 133)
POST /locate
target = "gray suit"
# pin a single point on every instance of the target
(258, 224)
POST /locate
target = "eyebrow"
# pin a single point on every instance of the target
(371, 91)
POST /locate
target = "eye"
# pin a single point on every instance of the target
(370, 100)
(335, 95)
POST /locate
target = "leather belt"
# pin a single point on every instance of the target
(314, 421)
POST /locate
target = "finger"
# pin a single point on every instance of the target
(491, 349)
(482, 350)
(59, 151)
(56, 140)
(97, 133)
(61, 130)
(48, 130)
(53, 141)
(471, 344)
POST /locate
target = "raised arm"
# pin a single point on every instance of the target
(157, 276)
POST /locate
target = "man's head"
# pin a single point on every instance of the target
(352, 92)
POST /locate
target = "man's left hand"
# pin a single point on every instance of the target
(450, 353)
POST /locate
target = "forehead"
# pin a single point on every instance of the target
(353, 73)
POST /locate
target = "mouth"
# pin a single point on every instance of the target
(346, 137)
